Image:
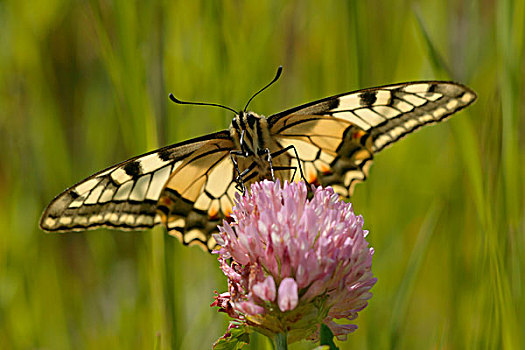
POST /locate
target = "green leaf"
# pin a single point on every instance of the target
(327, 338)
(234, 339)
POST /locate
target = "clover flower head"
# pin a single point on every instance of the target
(294, 263)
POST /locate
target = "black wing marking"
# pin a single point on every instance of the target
(199, 195)
(126, 196)
(337, 137)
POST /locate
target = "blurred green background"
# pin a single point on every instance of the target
(84, 84)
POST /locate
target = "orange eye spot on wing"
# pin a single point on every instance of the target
(166, 201)
(312, 178)
(358, 134)
(325, 169)
(213, 213)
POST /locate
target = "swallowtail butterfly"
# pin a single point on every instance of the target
(190, 186)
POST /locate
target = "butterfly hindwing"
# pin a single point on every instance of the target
(337, 137)
(128, 195)
(199, 195)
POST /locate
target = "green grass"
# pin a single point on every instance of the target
(84, 85)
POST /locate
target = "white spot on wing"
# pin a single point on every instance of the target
(425, 118)
(396, 132)
(381, 141)
(387, 112)
(123, 217)
(104, 173)
(403, 106)
(107, 195)
(151, 163)
(369, 116)
(140, 220)
(143, 220)
(352, 118)
(120, 176)
(410, 124)
(65, 220)
(80, 220)
(95, 194)
(123, 191)
(95, 219)
(112, 217)
(86, 186)
(452, 104)
(418, 87)
(141, 186)
(193, 235)
(342, 191)
(439, 113)
(353, 175)
(467, 97)
(157, 183)
(130, 221)
(211, 243)
(348, 102)
(414, 100)
(50, 222)
(77, 202)
(382, 97)
(176, 223)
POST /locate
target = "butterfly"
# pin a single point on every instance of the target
(190, 186)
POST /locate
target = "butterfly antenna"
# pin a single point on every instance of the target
(176, 100)
(279, 71)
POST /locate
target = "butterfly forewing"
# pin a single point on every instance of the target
(133, 194)
(337, 137)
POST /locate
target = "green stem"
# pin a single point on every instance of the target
(327, 337)
(280, 342)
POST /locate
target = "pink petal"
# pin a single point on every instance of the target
(247, 307)
(265, 290)
(288, 297)
(341, 330)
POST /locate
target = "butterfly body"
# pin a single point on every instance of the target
(254, 145)
(190, 186)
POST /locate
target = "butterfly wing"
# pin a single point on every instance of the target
(336, 137)
(187, 186)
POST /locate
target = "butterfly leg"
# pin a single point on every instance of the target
(240, 183)
(245, 175)
(286, 149)
(269, 159)
(294, 168)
